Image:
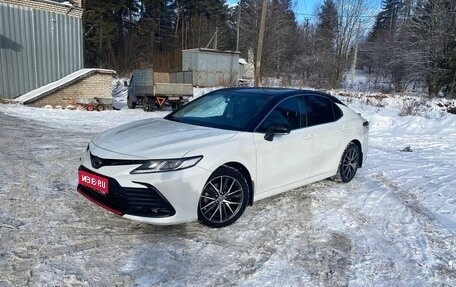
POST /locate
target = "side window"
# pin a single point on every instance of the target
(337, 112)
(320, 110)
(289, 112)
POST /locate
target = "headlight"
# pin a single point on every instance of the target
(161, 165)
(84, 153)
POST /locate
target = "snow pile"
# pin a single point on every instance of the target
(406, 104)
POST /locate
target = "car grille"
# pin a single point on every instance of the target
(98, 162)
(146, 202)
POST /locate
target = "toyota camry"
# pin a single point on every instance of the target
(213, 157)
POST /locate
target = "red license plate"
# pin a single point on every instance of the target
(93, 181)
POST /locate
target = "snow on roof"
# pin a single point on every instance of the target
(69, 3)
(51, 87)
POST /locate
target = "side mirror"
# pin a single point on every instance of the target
(276, 129)
(125, 83)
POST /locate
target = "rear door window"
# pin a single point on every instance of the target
(321, 110)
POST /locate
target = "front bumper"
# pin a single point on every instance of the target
(158, 198)
(143, 202)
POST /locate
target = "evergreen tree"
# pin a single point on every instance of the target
(104, 31)
(326, 34)
(328, 24)
(386, 20)
(128, 34)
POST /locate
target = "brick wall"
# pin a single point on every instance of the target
(48, 6)
(96, 85)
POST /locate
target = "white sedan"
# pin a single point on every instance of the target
(213, 157)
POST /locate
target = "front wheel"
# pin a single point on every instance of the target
(224, 198)
(130, 103)
(348, 164)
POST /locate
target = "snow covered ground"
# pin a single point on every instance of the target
(393, 225)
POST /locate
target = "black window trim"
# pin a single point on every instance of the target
(301, 96)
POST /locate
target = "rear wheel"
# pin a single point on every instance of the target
(148, 104)
(175, 105)
(224, 198)
(348, 164)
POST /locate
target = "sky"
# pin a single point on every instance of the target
(302, 8)
(307, 8)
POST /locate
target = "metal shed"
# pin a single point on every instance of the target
(40, 42)
(211, 67)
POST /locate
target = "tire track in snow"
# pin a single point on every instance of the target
(441, 242)
(385, 250)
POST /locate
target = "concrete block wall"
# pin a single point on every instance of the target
(95, 85)
(48, 6)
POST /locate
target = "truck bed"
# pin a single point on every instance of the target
(171, 89)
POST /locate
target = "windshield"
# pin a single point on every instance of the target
(222, 109)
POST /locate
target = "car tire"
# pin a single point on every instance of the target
(349, 164)
(130, 103)
(148, 104)
(223, 198)
(176, 105)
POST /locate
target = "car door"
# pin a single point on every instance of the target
(284, 160)
(326, 128)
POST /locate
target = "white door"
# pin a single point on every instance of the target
(285, 159)
(326, 127)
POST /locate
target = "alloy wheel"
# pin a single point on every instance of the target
(222, 199)
(350, 163)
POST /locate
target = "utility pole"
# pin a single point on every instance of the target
(216, 39)
(355, 55)
(307, 19)
(260, 43)
(182, 34)
(238, 25)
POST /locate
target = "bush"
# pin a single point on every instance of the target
(414, 107)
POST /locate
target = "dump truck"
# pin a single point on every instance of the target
(144, 90)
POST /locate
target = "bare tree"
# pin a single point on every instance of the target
(349, 14)
(280, 40)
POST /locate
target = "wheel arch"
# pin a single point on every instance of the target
(358, 144)
(245, 172)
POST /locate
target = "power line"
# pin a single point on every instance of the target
(343, 16)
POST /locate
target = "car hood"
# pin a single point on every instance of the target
(157, 139)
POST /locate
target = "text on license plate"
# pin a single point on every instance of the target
(93, 181)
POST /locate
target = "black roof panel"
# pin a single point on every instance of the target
(282, 92)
